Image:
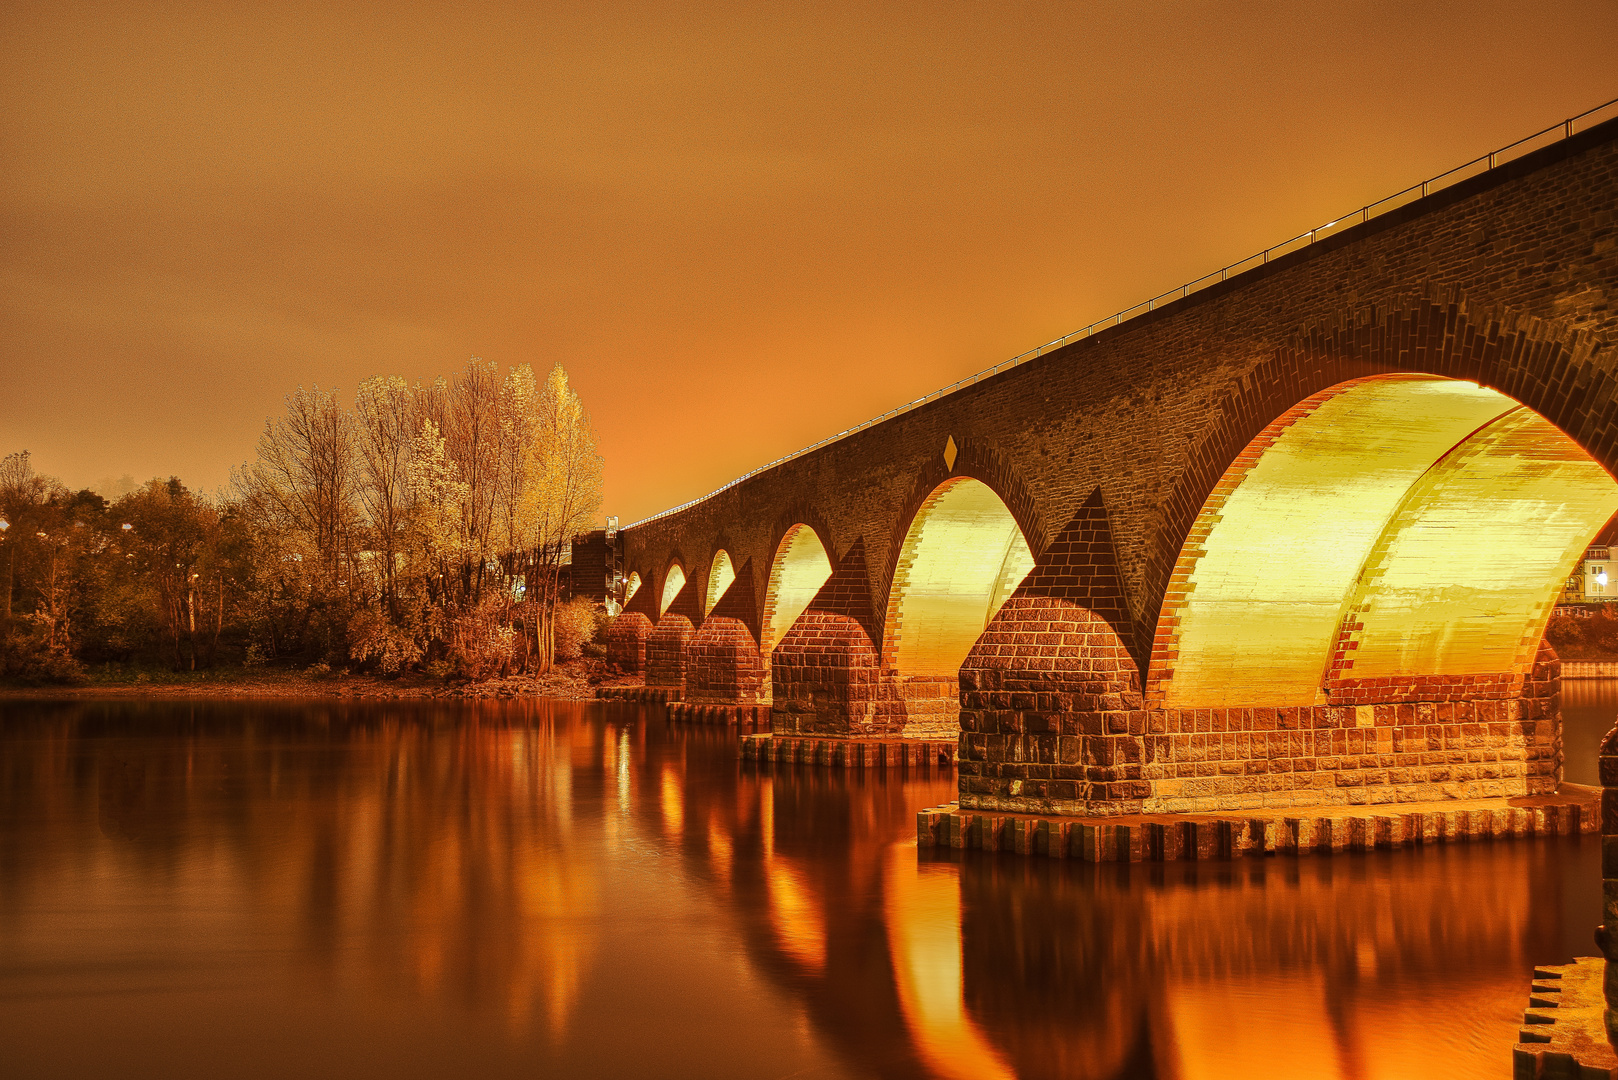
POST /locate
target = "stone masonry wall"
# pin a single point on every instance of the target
(1450, 745)
(723, 665)
(825, 675)
(626, 642)
(1507, 279)
(1052, 717)
(666, 652)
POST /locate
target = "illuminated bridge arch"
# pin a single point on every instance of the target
(800, 567)
(962, 556)
(720, 575)
(1394, 535)
(631, 586)
(673, 582)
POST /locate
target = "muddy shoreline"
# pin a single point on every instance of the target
(575, 681)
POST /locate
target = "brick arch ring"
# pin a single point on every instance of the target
(721, 543)
(799, 513)
(1489, 387)
(675, 557)
(977, 461)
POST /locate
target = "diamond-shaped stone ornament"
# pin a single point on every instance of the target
(949, 453)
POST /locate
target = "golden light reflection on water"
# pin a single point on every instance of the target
(795, 912)
(924, 938)
(673, 803)
(540, 891)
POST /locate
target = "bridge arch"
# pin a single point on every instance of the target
(721, 572)
(1550, 368)
(962, 555)
(673, 582)
(798, 569)
(631, 586)
(1404, 528)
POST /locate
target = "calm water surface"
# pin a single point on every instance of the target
(558, 890)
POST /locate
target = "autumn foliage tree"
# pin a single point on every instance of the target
(426, 524)
(151, 576)
(430, 524)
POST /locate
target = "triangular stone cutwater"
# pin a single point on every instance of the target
(740, 601)
(643, 602)
(1081, 565)
(687, 602)
(848, 590)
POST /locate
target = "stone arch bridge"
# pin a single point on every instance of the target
(1293, 538)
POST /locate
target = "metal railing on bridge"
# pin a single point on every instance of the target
(1476, 167)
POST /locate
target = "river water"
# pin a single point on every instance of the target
(582, 890)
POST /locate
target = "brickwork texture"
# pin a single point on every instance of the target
(1107, 453)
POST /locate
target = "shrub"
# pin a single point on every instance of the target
(576, 623)
(480, 645)
(25, 658)
(373, 638)
(1592, 638)
(1601, 634)
(1564, 634)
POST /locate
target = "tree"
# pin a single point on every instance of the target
(385, 425)
(561, 496)
(175, 541)
(300, 495)
(21, 493)
(304, 476)
(473, 438)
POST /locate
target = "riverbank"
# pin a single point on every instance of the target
(576, 680)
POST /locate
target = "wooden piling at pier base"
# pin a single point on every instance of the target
(645, 694)
(693, 712)
(1319, 830)
(847, 753)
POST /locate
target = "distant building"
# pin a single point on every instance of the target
(1594, 577)
(597, 568)
(1588, 587)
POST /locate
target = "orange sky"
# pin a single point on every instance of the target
(740, 227)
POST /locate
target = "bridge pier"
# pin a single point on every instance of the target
(723, 666)
(666, 653)
(1052, 716)
(825, 680)
(626, 642)
(1051, 728)
(923, 706)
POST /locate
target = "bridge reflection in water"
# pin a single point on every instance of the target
(494, 888)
